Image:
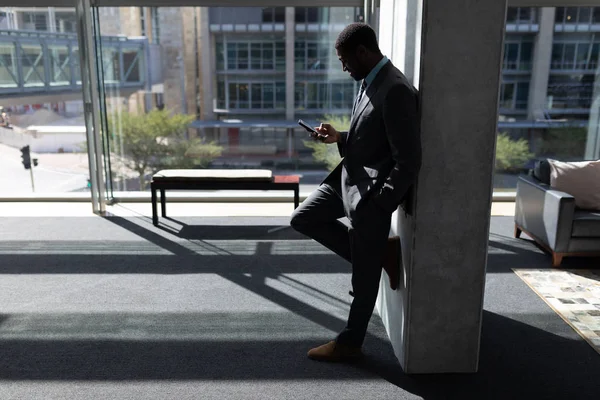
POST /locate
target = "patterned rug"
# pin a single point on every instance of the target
(573, 294)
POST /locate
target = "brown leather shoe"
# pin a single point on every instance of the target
(392, 260)
(335, 352)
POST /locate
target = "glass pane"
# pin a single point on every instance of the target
(220, 54)
(512, 14)
(299, 95)
(522, 95)
(256, 95)
(243, 95)
(32, 61)
(280, 95)
(596, 15)
(571, 15)
(583, 50)
(560, 15)
(255, 55)
(8, 66)
(267, 15)
(553, 115)
(585, 15)
(268, 95)
(280, 14)
(511, 55)
(524, 14)
(557, 55)
(231, 56)
(60, 73)
(268, 55)
(247, 83)
(507, 95)
(242, 56)
(221, 103)
(526, 56)
(132, 60)
(569, 56)
(39, 103)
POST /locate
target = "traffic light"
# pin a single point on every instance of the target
(26, 157)
(35, 162)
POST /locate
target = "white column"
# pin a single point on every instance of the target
(592, 147)
(51, 19)
(540, 71)
(290, 26)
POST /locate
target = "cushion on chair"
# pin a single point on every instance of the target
(541, 171)
(579, 179)
(586, 224)
(245, 175)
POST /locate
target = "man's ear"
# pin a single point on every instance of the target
(361, 50)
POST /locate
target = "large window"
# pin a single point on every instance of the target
(570, 91)
(314, 55)
(548, 115)
(575, 55)
(244, 95)
(325, 96)
(521, 15)
(235, 55)
(518, 55)
(577, 15)
(273, 14)
(41, 96)
(514, 95)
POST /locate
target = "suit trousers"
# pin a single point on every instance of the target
(363, 245)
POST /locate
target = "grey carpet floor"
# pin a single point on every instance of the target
(226, 308)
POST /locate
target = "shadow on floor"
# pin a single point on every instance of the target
(518, 361)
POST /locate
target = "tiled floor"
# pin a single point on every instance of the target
(573, 294)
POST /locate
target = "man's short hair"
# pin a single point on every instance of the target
(355, 35)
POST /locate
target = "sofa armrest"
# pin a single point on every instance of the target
(545, 213)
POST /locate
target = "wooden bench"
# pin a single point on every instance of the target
(218, 179)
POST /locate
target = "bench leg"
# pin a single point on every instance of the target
(163, 203)
(296, 197)
(154, 211)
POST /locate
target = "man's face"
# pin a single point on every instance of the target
(352, 62)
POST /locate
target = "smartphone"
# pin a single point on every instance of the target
(313, 133)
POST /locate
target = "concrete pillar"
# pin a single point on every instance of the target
(290, 26)
(434, 320)
(540, 71)
(171, 40)
(208, 66)
(190, 56)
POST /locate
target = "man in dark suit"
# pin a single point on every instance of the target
(381, 158)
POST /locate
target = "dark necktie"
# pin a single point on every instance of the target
(363, 86)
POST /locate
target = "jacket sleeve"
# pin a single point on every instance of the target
(342, 143)
(401, 120)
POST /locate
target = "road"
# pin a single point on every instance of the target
(55, 173)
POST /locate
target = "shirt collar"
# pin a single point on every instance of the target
(369, 79)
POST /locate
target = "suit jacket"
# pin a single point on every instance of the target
(382, 150)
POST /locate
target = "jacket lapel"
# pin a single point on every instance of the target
(367, 96)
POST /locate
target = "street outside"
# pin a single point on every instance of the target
(55, 173)
(68, 172)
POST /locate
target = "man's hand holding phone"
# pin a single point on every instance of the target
(324, 133)
(329, 134)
